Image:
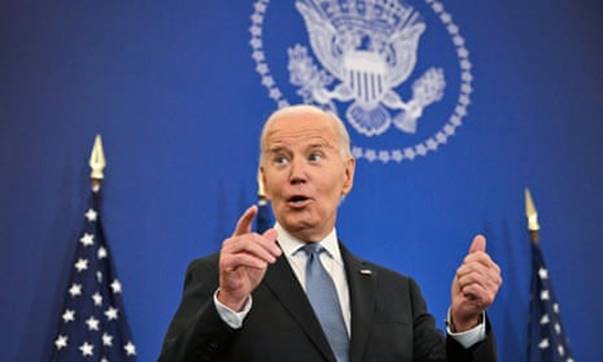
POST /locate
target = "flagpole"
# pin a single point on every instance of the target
(261, 192)
(264, 220)
(97, 163)
(532, 216)
(546, 337)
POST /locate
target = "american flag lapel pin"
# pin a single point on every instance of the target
(366, 272)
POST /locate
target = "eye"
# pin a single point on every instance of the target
(280, 160)
(315, 157)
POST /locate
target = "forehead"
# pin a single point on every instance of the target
(298, 129)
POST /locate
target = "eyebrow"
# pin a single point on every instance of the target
(321, 145)
(276, 149)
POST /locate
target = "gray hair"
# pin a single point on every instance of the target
(342, 133)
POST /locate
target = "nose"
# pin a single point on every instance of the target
(297, 172)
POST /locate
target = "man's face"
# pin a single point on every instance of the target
(304, 173)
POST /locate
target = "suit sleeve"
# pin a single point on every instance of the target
(430, 345)
(197, 333)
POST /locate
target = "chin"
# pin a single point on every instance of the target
(306, 231)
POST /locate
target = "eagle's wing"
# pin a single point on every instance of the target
(322, 38)
(404, 45)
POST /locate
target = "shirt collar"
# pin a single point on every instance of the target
(291, 244)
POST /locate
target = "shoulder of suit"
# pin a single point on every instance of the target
(387, 272)
(380, 270)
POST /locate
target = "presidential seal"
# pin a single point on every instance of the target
(360, 62)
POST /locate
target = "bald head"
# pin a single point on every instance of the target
(307, 111)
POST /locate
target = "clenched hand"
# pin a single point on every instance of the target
(244, 258)
(474, 286)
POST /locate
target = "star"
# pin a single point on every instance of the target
(397, 155)
(543, 273)
(91, 215)
(69, 316)
(61, 341)
(82, 264)
(409, 153)
(98, 299)
(87, 239)
(262, 68)
(111, 313)
(130, 349)
(544, 343)
(102, 253)
(453, 29)
(92, 323)
(257, 19)
(268, 81)
(75, 290)
(86, 349)
(557, 328)
(274, 93)
(561, 350)
(107, 340)
(256, 31)
(556, 308)
(370, 155)
(255, 43)
(544, 319)
(116, 286)
(259, 7)
(99, 276)
(104, 359)
(421, 149)
(544, 295)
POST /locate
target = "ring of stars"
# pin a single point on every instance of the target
(409, 153)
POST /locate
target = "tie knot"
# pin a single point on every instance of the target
(312, 249)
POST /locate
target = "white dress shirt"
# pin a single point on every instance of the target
(333, 264)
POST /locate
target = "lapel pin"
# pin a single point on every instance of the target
(366, 272)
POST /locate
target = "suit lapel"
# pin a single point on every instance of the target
(362, 281)
(281, 280)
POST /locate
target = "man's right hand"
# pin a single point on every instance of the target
(244, 258)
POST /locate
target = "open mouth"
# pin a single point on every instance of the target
(298, 201)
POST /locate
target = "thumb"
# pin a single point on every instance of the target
(478, 244)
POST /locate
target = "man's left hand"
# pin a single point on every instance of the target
(474, 286)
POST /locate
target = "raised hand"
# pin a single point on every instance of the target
(244, 258)
(474, 286)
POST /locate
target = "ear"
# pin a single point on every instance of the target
(266, 186)
(350, 168)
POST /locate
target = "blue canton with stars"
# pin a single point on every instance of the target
(547, 342)
(92, 323)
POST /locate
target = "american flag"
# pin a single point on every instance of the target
(547, 340)
(92, 323)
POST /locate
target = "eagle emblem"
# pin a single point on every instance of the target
(368, 48)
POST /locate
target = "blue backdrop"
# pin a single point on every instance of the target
(179, 91)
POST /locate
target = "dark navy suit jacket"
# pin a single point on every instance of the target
(390, 321)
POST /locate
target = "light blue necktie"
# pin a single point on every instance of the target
(325, 302)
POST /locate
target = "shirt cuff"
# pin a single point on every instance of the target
(229, 316)
(470, 337)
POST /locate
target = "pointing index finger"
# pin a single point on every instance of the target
(244, 223)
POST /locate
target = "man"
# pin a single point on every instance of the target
(295, 293)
